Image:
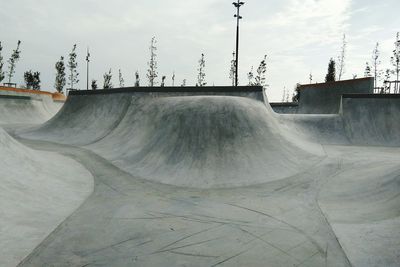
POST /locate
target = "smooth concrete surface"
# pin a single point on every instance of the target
(201, 179)
(366, 119)
(26, 108)
(39, 190)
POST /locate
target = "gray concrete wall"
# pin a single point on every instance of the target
(372, 119)
(324, 98)
(285, 108)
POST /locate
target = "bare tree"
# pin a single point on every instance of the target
(375, 64)
(395, 60)
(183, 83)
(367, 71)
(12, 61)
(152, 71)
(260, 78)
(284, 94)
(173, 78)
(342, 58)
(107, 80)
(250, 77)
(72, 66)
(60, 75)
(232, 71)
(386, 82)
(137, 79)
(201, 75)
(2, 74)
(121, 79)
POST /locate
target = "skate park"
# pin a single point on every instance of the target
(202, 176)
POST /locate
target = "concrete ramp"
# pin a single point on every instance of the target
(193, 139)
(21, 106)
(212, 177)
(39, 190)
(203, 141)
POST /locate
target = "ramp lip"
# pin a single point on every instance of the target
(325, 85)
(284, 104)
(371, 96)
(186, 89)
(17, 97)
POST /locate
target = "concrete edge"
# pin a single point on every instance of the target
(186, 89)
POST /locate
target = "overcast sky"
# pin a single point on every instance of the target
(299, 37)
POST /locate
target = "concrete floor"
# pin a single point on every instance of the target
(335, 204)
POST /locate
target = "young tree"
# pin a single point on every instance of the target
(310, 77)
(107, 80)
(331, 75)
(201, 75)
(36, 80)
(94, 85)
(28, 78)
(386, 82)
(183, 83)
(152, 71)
(250, 77)
(121, 79)
(163, 81)
(15, 56)
(375, 64)
(32, 80)
(261, 73)
(342, 58)
(72, 66)
(395, 60)
(2, 74)
(296, 94)
(137, 79)
(173, 78)
(367, 71)
(232, 71)
(284, 94)
(60, 75)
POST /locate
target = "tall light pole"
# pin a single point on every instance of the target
(397, 44)
(237, 5)
(87, 69)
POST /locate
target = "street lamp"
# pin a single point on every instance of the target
(237, 5)
(397, 44)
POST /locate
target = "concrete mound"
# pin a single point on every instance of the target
(195, 141)
(203, 141)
